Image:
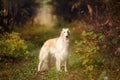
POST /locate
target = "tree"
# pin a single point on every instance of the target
(16, 12)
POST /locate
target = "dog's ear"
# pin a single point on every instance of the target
(68, 30)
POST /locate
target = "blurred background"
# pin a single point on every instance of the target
(95, 38)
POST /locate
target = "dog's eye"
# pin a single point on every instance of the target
(64, 32)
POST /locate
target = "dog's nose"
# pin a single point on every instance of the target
(67, 36)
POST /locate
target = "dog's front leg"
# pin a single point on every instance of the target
(65, 65)
(58, 62)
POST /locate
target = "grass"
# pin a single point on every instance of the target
(26, 69)
(19, 70)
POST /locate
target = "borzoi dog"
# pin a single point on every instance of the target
(58, 48)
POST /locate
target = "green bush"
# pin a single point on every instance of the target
(11, 45)
(30, 45)
(89, 51)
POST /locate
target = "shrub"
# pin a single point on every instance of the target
(11, 45)
(30, 45)
(89, 51)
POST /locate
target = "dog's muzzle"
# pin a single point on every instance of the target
(67, 37)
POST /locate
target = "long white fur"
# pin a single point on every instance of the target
(58, 48)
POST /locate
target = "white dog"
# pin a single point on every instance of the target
(58, 48)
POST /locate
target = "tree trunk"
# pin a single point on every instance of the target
(90, 10)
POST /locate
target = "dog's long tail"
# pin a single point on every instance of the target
(39, 65)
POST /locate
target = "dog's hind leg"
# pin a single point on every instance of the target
(49, 61)
(40, 65)
(43, 62)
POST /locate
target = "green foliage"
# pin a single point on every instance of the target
(61, 23)
(21, 69)
(30, 45)
(1, 28)
(12, 45)
(102, 75)
(88, 49)
(1, 12)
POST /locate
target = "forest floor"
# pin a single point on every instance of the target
(27, 70)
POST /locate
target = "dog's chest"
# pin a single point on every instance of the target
(59, 48)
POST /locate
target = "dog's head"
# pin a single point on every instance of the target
(65, 33)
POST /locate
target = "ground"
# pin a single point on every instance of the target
(27, 69)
